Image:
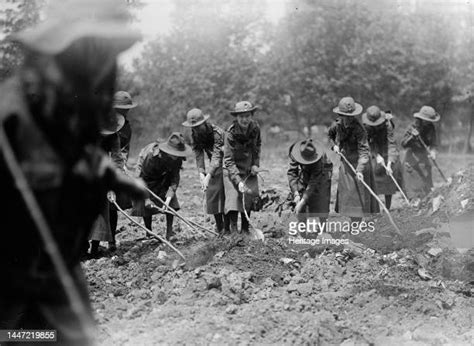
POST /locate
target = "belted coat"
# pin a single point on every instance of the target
(241, 152)
(353, 199)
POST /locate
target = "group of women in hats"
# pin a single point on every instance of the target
(229, 179)
(233, 161)
(116, 136)
(230, 182)
(370, 155)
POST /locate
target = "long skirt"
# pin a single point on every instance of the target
(384, 185)
(123, 200)
(417, 178)
(101, 228)
(215, 194)
(233, 198)
(353, 199)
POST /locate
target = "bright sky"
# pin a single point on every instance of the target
(155, 16)
(155, 19)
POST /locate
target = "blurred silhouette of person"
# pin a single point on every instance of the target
(53, 173)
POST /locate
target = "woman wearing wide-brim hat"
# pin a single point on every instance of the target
(122, 104)
(208, 140)
(159, 165)
(104, 227)
(417, 175)
(349, 138)
(309, 177)
(242, 146)
(383, 151)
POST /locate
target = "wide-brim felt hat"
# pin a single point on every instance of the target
(347, 106)
(374, 116)
(123, 100)
(305, 152)
(428, 113)
(243, 107)
(71, 20)
(176, 146)
(195, 117)
(115, 124)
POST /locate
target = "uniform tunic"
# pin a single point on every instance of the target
(211, 144)
(125, 135)
(353, 199)
(382, 142)
(417, 178)
(160, 174)
(313, 183)
(241, 152)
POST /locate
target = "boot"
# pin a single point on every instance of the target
(169, 226)
(244, 222)
(233, 216)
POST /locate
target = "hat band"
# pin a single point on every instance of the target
(347, 108)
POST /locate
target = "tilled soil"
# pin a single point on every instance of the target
(381, 288)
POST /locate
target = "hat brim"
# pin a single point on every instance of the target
(379, 121)
(133, 105)
(358, 110)
(188, 124)
(253, 109)
(421, 116)
(172, 151)
(120, 124)
(295, 154)
(50, 38)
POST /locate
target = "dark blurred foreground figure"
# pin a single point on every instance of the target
(159, 165)
(417, 178)
(383, 151)
(309, 177)
(51, 113)
(349, 138)
(208, 139)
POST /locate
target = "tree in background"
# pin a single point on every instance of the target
(328, 49)
(208, 61)
(296, 71)
(15, 15)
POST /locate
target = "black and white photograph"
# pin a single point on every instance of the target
(237, 172)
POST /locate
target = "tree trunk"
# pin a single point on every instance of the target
(467, 144)
(309, 120)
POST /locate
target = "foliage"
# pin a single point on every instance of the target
(15, 15)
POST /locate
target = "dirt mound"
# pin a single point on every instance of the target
(249, 292)
(455, 197)
(380, 288)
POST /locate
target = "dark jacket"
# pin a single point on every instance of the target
(417, 175)
(353, 199)
(111, 145)
(125, 136)
(211, 144)
(241, 150)
(159, 171)
(312, 182)
(427, 134)
(382, 141)
(306, 180)
(352, 141)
